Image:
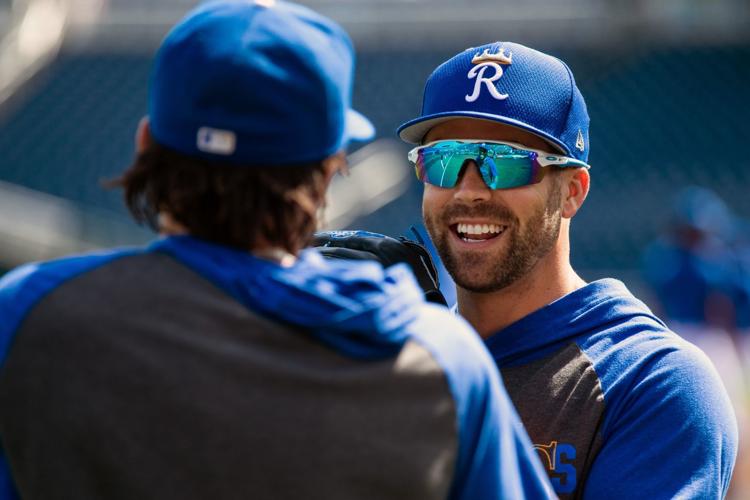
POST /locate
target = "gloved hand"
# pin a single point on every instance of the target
(364, 245)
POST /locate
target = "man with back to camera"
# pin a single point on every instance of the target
(221, 361)
(617, 406)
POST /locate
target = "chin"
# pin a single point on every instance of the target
(484, 283)
(476, 273)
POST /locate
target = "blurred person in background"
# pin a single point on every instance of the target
(692, 266)
(616, 404)
(221, 361)
(696, 273)
(741, 245)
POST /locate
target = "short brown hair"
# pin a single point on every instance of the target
(240, 206)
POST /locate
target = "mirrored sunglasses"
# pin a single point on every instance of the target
(502, 165)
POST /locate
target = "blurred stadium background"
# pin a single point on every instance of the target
(667, 84)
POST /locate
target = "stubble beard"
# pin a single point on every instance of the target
(484, 272)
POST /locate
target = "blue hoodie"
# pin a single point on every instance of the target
(356, 308)
(617, 405)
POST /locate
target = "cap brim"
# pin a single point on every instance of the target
(358, 127)
(414, 131)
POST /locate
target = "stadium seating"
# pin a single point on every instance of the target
(661, 119)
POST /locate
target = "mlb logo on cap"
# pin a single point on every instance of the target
(220, 142)
(508, 83)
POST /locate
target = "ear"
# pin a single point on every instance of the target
(143, 135)
(332, 165)
(575, 190)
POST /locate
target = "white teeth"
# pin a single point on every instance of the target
(480, 228)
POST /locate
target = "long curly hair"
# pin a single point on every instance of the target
(240, 206)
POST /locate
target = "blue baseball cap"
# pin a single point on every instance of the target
(255, 82)
(508, 83)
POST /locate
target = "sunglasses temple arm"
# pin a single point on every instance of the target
(569, 162)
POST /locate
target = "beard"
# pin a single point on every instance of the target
(525, 243)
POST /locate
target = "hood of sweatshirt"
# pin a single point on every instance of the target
(357, 307)
(599, 304)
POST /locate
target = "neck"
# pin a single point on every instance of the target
(275, 254)
(168, 226)
(551, 277)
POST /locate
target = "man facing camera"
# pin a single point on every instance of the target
(617, 406)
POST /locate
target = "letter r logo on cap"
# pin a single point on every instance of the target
(478, 73)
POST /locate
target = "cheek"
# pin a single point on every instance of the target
(537, 194)
(434, 199)
(518, 201)
(528, 200)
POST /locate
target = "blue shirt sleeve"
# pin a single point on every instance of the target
(496, 459)
(670, 433)
(20, 290)
(7, 488)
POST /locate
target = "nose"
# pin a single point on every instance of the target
(471, 187)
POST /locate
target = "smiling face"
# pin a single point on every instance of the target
(489, 239)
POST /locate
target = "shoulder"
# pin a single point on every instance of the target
(22, 288)
(639, 350)
(664, 403)
(37, 276)
(649, 374)
(622, 336)
(662, 360)
(468, 367)
(450, 338)
(640, 347)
